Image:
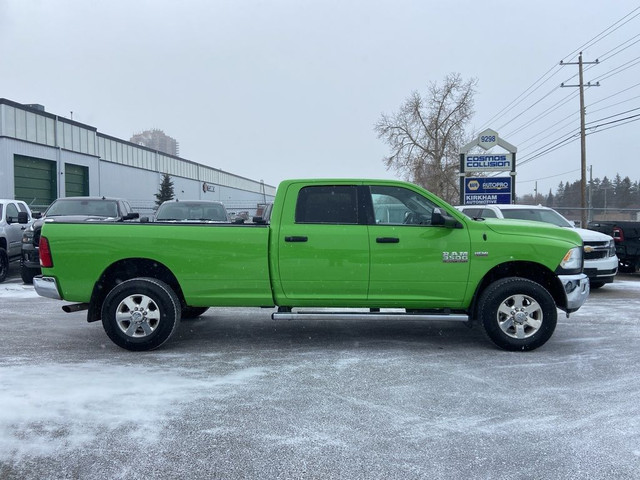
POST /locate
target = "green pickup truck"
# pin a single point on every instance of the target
(351, 248)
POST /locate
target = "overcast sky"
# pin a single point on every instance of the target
(282, 88)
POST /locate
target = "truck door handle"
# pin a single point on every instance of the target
(387, 240)
(295, 239)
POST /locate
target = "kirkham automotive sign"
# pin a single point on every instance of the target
(488, 162)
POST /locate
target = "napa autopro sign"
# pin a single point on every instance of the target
(488, 162)
(483, 191)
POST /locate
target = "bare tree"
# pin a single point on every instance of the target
(426, 134)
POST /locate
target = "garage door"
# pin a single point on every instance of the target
(76, 182)
(35, 181)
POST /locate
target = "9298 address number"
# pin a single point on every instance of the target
(488, 138)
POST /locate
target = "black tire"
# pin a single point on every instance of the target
(141, 314)
(517, 314)
(596, 285)
(27, 274)
(192, 312)
(4, 265)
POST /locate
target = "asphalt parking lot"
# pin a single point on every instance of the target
(235, 395)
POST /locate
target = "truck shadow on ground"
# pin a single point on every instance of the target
(229, 331)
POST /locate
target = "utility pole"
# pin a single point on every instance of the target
(583, 142)
(590, 194)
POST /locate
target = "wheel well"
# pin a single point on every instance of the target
(125, 270)
(529, 270)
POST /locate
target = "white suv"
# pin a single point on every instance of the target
(600, 260)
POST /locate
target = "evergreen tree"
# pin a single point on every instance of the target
(622, 191)
(550, 199)
(560, 195)
(635, 194)
(166, 190)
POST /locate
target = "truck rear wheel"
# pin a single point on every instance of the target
(141, 314)
(517, 314)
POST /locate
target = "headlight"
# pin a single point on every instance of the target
(572, 260)
(612, 248)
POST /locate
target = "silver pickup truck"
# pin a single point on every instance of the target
(15, 217)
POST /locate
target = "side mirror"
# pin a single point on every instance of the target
(442, 218)
(131, 216)
(23, 217)
(36, 215)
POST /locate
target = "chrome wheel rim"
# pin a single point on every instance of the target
(520, 316)
(138, 316)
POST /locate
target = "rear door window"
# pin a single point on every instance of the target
(333, 204)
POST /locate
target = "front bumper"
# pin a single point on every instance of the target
(46, 287)
(576, 288)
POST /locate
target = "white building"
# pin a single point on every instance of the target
(44, 156)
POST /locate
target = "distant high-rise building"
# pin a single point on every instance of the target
(157, 140)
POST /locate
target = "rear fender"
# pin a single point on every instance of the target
(125, 270)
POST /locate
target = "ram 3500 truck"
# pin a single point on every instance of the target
(388, 249)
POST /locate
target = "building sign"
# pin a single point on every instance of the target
(208, 188)
(488, 162)
(490, 190)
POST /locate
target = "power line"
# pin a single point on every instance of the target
(550, 176)
(597, 38)
(559, 143)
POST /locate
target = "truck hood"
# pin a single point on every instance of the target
(533, 229)
(592, 235)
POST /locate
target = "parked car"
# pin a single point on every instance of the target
(263, 213)
(75, 209)
(191, 211)
(626, 235)
(600, 260)
(15, 217)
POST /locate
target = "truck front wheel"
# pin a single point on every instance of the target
(517, 314)
(140, 314)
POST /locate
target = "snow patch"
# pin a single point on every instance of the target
(52, 408)
(17, 290)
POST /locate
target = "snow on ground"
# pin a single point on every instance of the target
(79, 401)
(17, 290)
(233, 397)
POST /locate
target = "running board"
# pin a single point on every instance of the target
(368, 316)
